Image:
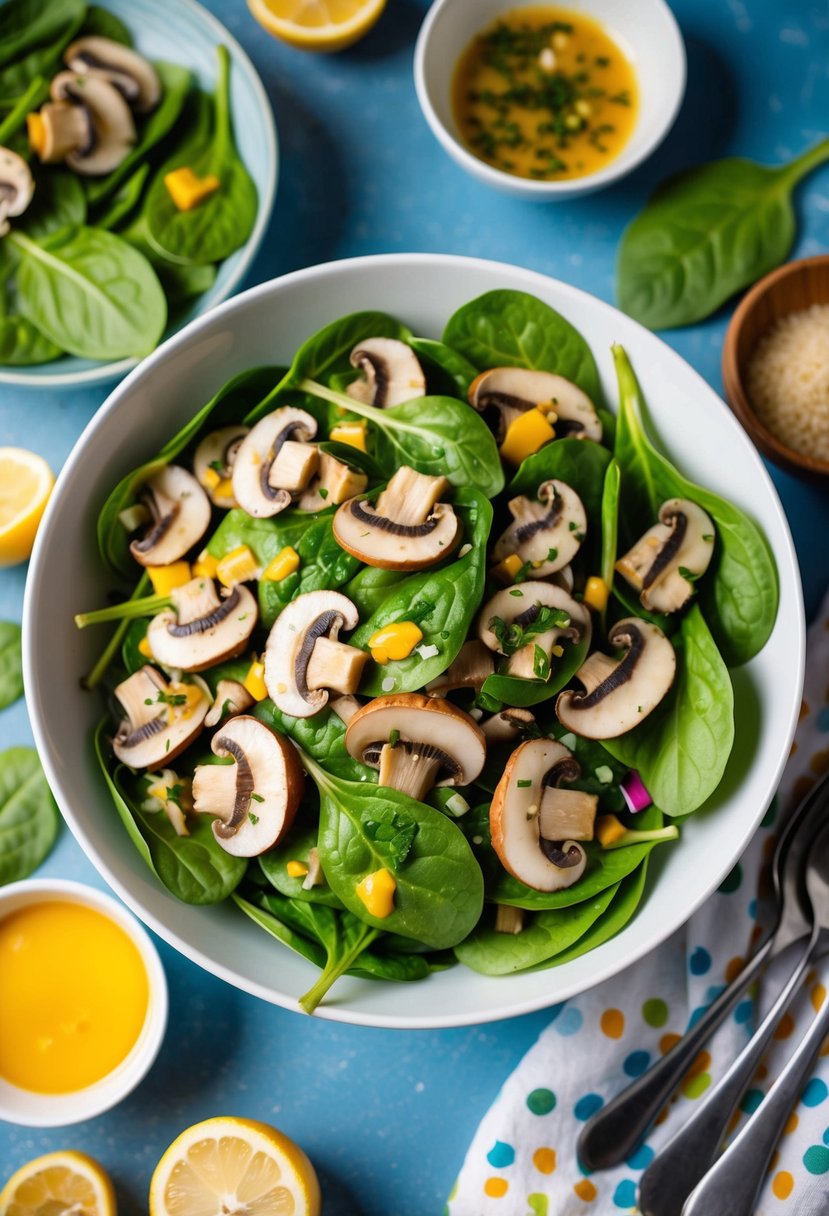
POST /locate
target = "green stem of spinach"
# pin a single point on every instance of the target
(37, 92)
(379, 417)
(610, 530)
(335, 968)
(806, 162)
(633, 837)
(129, 610)
(222, 136)
(93, 679)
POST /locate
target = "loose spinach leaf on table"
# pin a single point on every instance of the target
(11, 663)
(28, 815)
(455, 370)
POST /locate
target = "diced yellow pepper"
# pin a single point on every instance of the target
(529, 432)
(296, 869)
(36, 130)
(395, 641)
(145, 648)
(286, 562)
(223, 488)
(186, 190)
(506, 570)
(596, 593)
(205, 565)
(210, 479)
(237, 566)
(376, 893)
(166, 578)
(608, 830)
(254, 681)
(352, 433)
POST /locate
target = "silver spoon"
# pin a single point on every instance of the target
(731, 1186)
(618, 1128)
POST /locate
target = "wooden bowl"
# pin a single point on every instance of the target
(791, 288)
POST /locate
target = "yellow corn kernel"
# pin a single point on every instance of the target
(376, 893)
(223, 488)
(145, 649)
(166, 578)
(296, 869)
(36, 130)
(352, 433)
(596, 593)
(205, 565)
(506, 570)
(210, 479)
(254, 681)
(237, 566)
(186, 190)
(395, 641)
(608, 830)
(286, 562)
(529, 432)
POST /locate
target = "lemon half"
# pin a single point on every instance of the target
(25, 485)
(63, 1182)
(317, 25)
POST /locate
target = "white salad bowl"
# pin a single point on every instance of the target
(646, 30)
(266, 325)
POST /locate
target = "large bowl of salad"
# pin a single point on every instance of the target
(414, 640)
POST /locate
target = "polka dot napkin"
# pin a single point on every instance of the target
(522, 1161)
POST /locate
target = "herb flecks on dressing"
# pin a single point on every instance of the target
(545, 93)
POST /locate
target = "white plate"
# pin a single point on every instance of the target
(264, 325)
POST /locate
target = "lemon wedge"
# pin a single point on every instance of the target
(57, 1185)
(230, 1165)
(25, 485)
(317, 25)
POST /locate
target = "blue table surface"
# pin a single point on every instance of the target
(386, 1115)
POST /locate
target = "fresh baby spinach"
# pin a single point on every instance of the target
(520, 691)
(28, 815)
(11, 663)
(455, 370)
(322, 737)
(370, 587)
(101, 23)
(114, 210)
(58, 202)
(32, 38)
(296, 848)
(22, 345)
(624, 903)
(610, 525)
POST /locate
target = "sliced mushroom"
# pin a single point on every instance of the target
(254, 799)
(108, 117)
(511, 390)
(131, 74)
(334, 483)
(417, 742)
(620, 693)
(231, 698)
(16, 186)
(529, 784)
(680, 545)
(162, 718)
(521, 606)
(58, 128)
(547, 532)
(407, 528)
(471, 666)
(275, 461)
(304, 658)
(179, 514)
(508, 726)
(213, 464)
(391, 373)
(200, 630)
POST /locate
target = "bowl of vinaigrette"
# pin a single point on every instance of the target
(83, 1002)
(550, 101)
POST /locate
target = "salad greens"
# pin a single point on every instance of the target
(11, 663)
(28, 815)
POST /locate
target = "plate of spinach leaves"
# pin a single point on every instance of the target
(711, 752)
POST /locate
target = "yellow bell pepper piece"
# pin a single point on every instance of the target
(205, 565)
(395, 641)
(595, 593)
(608, 830)
(166, 578)
(36, 130)
(506, 570)
(296, 869)
(352, 433)
(210, 479)
(376, 893)
(254, 681)
(145, 649)
(529, 432)
(286, 562)
(237, 566)
(186, 190)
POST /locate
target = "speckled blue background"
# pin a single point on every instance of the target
(386, 1116)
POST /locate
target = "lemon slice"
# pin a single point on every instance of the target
(234, 1165)
(25, 485)
(59, 1184)
(317, 25)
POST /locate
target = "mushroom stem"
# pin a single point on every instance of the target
(217, 796)
(128, 610)
(671, 832)
(335, 665)
(411, 771)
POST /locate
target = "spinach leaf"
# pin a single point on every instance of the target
(523, 692)
(59, 202)
(22, 345)
(622, 907)
(11, 663)
(610, 525)
(183, 283)
(707, 233)
(114, 210)
(513, 329)
(12, 134)
(101, 23)
(119, 801)
(32, 38)
(296, 847)
(322, 737)
(354, 458)
(258, 912)
(28, 815)
(370, 587)
(740, 590)
(456, 372)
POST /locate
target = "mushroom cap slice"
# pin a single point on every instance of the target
(407, 528)
(303, 651)
(508, 725)
(547, 532)
(201, 629)
(391, 373)
(534, 768)
(131, 74)
(620, 693)
(683, 540)
(216, 455)
(265, 475)
(521, 605)
(162, 718)
(512, 390)
(254, 800)
(111, 119)
(16, 186)
(180, 516)
(66, 128)
(231, 698)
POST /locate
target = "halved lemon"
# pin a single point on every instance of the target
(317, 25)
(234, 1165)
(25, 485)
(59, 1184)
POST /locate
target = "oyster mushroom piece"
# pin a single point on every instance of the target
(334, 483)
(231, 698)
(417, 742)
(275, 461)
(391, 373)
(620, 693)
(512, 390)
(535, 825)
(508, 726)
(179, 513)
(681, 544)
(213, 464)
(200, 629)
(406, 529)
(470, 667)
(107, 120)
(131, 74)
(16, 186)
(254, 799)
(522, 606)
(162, 718)
(547, 532)
(304, 659)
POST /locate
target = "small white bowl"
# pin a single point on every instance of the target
(647, 32)
(32, 1109)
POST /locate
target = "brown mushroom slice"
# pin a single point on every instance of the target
(253, 801)
(391, 373)
(200, 629)
(417, 742)
(547, 532)
(407, 528)
(509, 726)
(512, 390)
(522, 605)
(620, 693)
(109, 120)
(231, 698)
(682, 541)
(213, 464)
(470, 667)
(131, 74)
(334, 483)
(16, 187)
(179, 513)
(275, 461)
(162, 718)
(62, 128)
(304, 658)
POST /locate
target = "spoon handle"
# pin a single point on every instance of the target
(618, 1128)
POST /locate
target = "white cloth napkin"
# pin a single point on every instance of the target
(522, 1161)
